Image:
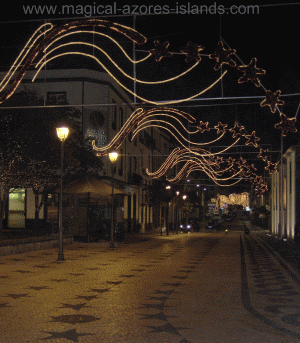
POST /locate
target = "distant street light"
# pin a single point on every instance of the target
(62, 134)
(113, 156)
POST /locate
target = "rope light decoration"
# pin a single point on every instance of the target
(37, 51)
(48, 43)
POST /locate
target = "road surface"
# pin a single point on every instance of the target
(198, 288)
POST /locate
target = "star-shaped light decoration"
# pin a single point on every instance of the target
(263, 154)
(237, 130)
(222, 56)
(221, 128)
(192, 52)
(262, 188)
(286, 125)
(258, 180)
(271, 167)
(203, 126)
(250, 170)
(251, 73)
(252, 139)
(218, 161)
(230, 161)
(242, 163)
(272, 100)
(160, 50)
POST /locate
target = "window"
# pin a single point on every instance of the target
(133, 165)
(121, 163)
(121, 117)
(114, 116)
(56, 98)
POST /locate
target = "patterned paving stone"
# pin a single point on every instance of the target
(100, 290)
(76, 307)
(58, 280)
(74, 318)
(17, 296)
(71, 335)
(114, 282)
(38, 288)
(151, 306)
(166, 328)
(87, 297)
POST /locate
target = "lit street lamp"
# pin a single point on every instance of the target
(62, 134)
(113, 156)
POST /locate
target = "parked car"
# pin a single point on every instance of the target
(214, 224)
(227, 217)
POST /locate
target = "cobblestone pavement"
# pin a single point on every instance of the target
(186, 288)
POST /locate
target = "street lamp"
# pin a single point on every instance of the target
(62, 134)
(113, 156)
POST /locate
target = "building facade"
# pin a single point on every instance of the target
(104, 108)
(285, 199)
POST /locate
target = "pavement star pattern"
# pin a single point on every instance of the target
(71, 335)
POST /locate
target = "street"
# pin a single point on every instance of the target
(197, 287)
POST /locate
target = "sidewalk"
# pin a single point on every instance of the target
(288, 249)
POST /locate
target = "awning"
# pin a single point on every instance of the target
(92, 185)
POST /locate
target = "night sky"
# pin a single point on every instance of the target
(271, 36)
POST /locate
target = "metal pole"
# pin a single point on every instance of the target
(112, 243)
(281, 206)
(61, 254)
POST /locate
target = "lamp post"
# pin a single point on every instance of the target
(177, 212)
(167, 216)
(113, 156)
(62, 134)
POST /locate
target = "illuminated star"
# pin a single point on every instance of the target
(262, 154)
(222, 56)
(203, 127)
(242, 163)
(251, 170)
(237, 130)
(250, 73)
(218, 162)
(161, 50)
(271, 167)
(221, 128)
(230, 161)
(272, 100)
(286, 125)
(192, 52)
(252, 139)
(263, 188)
(258, 180)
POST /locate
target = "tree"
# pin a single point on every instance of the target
(30, 150)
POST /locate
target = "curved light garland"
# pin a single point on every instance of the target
(38, 45)
(46, 37)
(192, 154)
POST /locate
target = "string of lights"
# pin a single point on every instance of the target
(46, 44)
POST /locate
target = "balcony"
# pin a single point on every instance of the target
(135, 179)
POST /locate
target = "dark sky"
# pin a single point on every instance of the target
(270, 34)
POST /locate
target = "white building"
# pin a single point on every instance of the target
(285, 205)
(104, 108)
